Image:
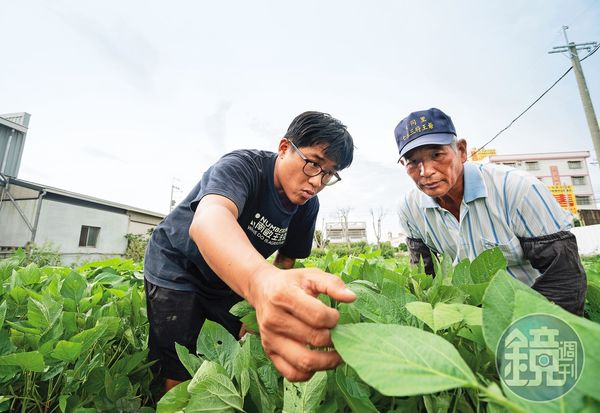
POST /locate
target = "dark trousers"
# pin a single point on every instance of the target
(177, 317)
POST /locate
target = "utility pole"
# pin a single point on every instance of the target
(173, 189)
(588, 108)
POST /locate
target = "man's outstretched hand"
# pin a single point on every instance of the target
(291, 318)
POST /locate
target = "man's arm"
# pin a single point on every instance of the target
(562, 279)
(290, 316)
(419, 250)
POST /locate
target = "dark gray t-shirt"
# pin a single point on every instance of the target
(245, 177)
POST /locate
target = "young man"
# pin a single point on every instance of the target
(210, 252)
(462, 209)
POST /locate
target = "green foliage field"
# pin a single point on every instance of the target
(74, 340)
(410, 342)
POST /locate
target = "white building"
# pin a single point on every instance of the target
(79, 226)
(556, 168)
(356, 231)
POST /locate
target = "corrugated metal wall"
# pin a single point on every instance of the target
(12, 141)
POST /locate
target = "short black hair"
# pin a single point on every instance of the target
(315, 128)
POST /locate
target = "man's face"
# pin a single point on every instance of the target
(436, 169)
(290, 176)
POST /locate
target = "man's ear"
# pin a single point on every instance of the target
(462, 149)
(284, 144)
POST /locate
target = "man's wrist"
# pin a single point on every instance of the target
(255, 279)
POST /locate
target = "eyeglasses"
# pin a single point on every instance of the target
(313, 169)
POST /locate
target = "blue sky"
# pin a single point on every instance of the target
(124, 96)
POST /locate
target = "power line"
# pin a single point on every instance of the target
(534, 102)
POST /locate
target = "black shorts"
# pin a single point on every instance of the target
(177, 317)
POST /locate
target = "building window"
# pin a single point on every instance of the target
(574, 164)
(583, 200)
(578, 180)
(511, 164)
(88, 236)
(532, 165)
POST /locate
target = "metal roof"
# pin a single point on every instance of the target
(16, 121)
(81, 197)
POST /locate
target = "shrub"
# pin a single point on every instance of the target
(46, 254)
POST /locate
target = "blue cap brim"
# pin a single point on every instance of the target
(430, 139)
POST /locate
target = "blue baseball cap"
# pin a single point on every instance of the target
(425, 127)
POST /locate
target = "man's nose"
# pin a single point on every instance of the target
(315, 181)
(426, 167)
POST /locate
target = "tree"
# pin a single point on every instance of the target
(342, 214)
(377, 217)
(320, 239)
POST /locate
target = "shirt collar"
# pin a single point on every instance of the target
(474, 187)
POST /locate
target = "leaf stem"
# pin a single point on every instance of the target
(501, 400)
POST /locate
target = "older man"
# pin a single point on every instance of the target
(461, 208)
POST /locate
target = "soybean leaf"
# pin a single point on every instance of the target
(472, 316)
(305, 396)
(355, 393)
(241, 309)
(88, 302)
(129, 362)
(498, 304)
(2, 313)
(116, 387)
(112, 324)
(73, 287)
(588, 332)
(269, 376)
(371, 273)
(593, 301)
(462, 273)
(29, 275)
(6, 346)
(445, 294)
(216, 344)
(191, 362)
(259, 395)
(44, 313)
(89, 337)
(573, 401)
(473, 333)
(94, 382)
(108, 278)
(349, 314)
(28, 361)
(175, 400)
(66, 351)
(211, 389)
(403, 360)
(475, 292)
(487, 264)
(440, 317)
(443, 270)
(374, 306)
(251, 322)
(18, 294)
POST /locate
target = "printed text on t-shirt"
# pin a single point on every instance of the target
(267, 232)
